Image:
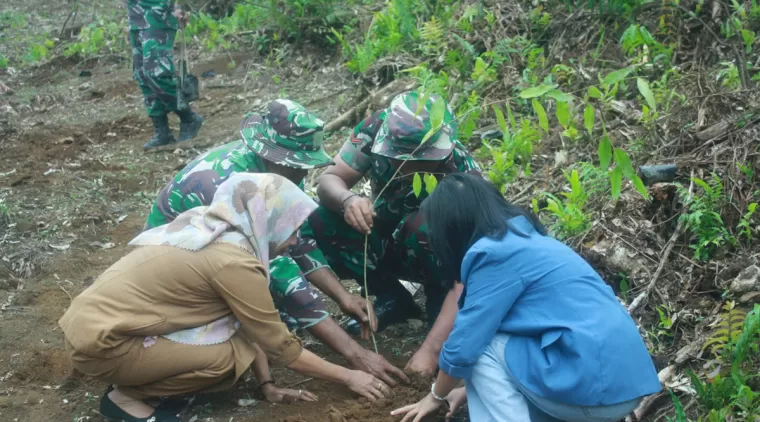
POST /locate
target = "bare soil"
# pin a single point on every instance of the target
(77, 186)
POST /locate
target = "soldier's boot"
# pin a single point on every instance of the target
(189, 125)
(162, 134)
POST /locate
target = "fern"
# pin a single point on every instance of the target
(471, 110)
(703, 219)
(432, 35)
(747, 339)
(728, 329)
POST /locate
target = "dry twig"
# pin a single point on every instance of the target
(639, 300)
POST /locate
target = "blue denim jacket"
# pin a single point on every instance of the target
(572, 341)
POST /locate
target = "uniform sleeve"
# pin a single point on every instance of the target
(463, 160)
(356, 150)
(490, 291)
(244, 286)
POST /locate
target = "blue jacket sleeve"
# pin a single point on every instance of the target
(490, 291)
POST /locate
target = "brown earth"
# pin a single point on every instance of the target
(78, 185)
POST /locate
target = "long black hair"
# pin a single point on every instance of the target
(463, 209)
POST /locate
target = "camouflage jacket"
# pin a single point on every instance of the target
(151, 14)
(398, 200)
(196, 184)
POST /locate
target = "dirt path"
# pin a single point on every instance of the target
(77, 186)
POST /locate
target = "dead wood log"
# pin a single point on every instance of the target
(715, 131)
(380, 98)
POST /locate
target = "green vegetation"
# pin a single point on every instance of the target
(730, 390)
(99, 38)
(703, 219)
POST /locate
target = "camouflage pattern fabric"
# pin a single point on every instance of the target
(196, 185)
(398, 200)
(151, 36)
(151, 14)
(398, 246)
(405, 125)
(287, 134)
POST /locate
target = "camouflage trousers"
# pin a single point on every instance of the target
(395, 251)
(299, 305)
(153, 68)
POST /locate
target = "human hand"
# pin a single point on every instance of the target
(423, 362)
(376, 365)
(456, 398)
(356, 307)
(367, 385)
(275, 394)
(358, 212)
(415, 412)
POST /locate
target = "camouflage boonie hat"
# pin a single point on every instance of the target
(402, 132)
(288, 135)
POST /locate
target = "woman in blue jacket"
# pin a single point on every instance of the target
(539, 336)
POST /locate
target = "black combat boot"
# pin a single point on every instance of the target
(189, 125)
(162, 134)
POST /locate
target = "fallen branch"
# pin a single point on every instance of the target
(380, 98)
(639, 300)
(664, 376)
(72, 14)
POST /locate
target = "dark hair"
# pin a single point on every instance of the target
(463, 209)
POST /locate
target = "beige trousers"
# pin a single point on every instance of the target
(167, 368)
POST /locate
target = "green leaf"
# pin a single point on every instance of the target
(588, 118)
(640, 188)
(646, 92)
(560, 96)
(616, 76)
(500, 118)
(543, 121)
(616, 181)
(437, 112)
(511, 116)
(624, 162)
(624, 288)
(421, 104)
(536, 91)
(430, 183)
(575, 182)
(417, 185)
(605, 152)
(563, 114)
(429, 134)
(594, 92)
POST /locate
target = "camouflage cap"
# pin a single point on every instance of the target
(403, 131)
(288, 135)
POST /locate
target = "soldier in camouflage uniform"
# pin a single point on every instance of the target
(152, 27)
(286, 141)
(397, 246)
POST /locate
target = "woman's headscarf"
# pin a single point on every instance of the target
(252, 211)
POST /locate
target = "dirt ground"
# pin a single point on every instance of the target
(77, 187)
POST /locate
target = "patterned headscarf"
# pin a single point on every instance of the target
(252, 211)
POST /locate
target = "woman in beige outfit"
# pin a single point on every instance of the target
(190, 309)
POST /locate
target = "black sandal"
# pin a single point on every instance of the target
(113, 412)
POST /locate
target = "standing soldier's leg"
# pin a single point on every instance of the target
(418, 263)
(156, 78)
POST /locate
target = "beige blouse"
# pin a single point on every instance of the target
(157, 290)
